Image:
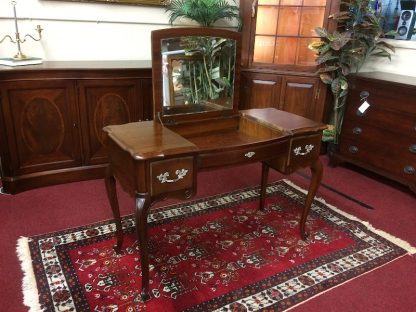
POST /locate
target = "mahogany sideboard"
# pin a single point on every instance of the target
(52, 115)
(381, 138)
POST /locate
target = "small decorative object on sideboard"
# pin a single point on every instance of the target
(379, 129)
(20, 58)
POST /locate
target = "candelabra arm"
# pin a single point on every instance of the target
(7, 36)
(39, 30)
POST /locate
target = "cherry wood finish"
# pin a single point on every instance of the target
(156, 159)
(143, 153)
(301, 95)
(283, 80)
(383, 138)
(52, 117)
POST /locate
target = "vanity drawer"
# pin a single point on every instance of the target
(171, 175)
(245, 154)
(303, 151)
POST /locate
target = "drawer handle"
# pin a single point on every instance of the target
(353, 149)
(180, 173)
(250, 154)
(409, 169)
(357, 130)
(412, 148)
(308, 149)
(364, 95)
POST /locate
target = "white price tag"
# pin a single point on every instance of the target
(363, 107)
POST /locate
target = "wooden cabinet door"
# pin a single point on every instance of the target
(147, 96)
(106, 102)
(300, 95)
(41, 122)
(259, 90)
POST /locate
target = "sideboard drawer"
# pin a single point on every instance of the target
(172, 175)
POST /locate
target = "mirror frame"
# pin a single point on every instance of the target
(156, 39)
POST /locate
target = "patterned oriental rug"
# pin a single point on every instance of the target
(214, 254)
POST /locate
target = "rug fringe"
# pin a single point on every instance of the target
(343, 283)
(29, 288)
(395, 240)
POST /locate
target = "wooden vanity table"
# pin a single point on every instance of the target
(161, 158)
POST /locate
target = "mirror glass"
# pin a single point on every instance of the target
(198, 74)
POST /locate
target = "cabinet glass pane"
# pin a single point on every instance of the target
(285, 50)
(289, 19)
(291, 2)
(269, 2)
(263, 49)
(314, 2)
(266, 20)
(305, 56)
(312, 17)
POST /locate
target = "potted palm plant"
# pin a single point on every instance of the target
(204, 12)
(344, 51)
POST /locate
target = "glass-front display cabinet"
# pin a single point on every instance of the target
(278, 67)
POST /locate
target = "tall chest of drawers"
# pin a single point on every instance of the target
(381, 137)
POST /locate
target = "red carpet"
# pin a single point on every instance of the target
(214, 253)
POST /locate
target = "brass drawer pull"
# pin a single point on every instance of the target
(353, 149)
(250, 154)
(409, 169)
(308, 149)
(357, 130)
(412, 148)
(180, 173)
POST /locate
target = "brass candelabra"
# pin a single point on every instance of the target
(17, 40)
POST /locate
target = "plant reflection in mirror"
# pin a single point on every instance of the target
(207, 71)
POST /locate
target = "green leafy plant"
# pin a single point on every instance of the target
(345, 50)
(204, 12)
(210, 73)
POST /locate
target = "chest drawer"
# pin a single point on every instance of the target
(395, 157)
(379, 116)
(172, 175)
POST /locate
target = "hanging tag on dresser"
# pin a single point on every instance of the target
(363, 107)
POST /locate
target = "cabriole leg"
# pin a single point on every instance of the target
(316, 170)
(142, 209)
(110, 185)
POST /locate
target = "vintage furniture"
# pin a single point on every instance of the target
(51, 118)
(194, 131)
(382, 137)
(279, 69)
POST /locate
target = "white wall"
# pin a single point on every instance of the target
(403, 61)
(95, 31)
(82, 31)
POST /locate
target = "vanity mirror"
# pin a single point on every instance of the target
(195, 74)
